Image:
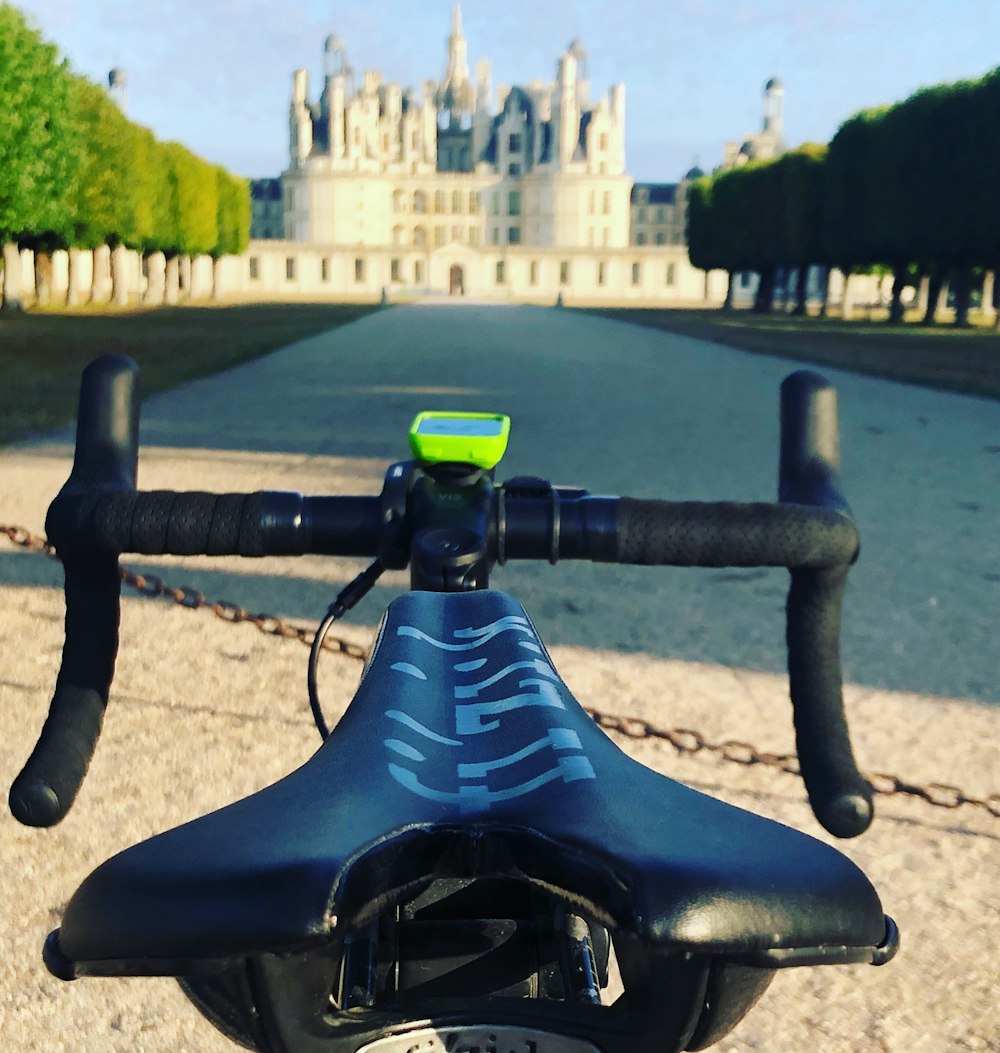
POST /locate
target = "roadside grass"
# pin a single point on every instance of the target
(43, 352)
(963, 360)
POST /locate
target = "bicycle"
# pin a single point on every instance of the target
(453, 868)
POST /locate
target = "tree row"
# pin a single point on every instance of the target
(910, 188)
(78, 175)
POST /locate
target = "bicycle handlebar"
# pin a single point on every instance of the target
(99, 514)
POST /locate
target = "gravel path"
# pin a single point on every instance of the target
(618, 409)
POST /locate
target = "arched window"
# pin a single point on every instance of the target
(397, 234)
(419, 201)
(420, 237)
(398, 201)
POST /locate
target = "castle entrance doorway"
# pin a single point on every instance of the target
(456, 281)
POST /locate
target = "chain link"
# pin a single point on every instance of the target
(684, 740)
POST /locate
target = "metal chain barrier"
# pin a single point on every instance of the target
(683, 740)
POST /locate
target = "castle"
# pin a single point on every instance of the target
(525, 198)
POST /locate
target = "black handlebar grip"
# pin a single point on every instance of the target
(107, 442)
(809, 474)
(48, 784)
(809, 461)
(840, 797)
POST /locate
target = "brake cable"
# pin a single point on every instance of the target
(350, 595)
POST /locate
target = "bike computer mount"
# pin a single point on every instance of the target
(437, 508)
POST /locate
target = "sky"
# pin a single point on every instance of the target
(216, 74)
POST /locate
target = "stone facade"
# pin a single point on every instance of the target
(447, 192)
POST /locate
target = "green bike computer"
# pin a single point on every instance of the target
(479, 439)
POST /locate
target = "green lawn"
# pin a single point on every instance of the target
(966, 360)
(42, 353)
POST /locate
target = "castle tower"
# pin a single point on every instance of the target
(455, 97)
(118, 88)
(774, 102)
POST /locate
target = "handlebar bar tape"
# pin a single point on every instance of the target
(48, 784)
(809, 474)
(839, 796)
(729, 534)
(107, 444)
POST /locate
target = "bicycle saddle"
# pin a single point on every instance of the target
(464, 755)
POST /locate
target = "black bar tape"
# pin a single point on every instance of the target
(47, 786)
(160, 522)
(839, 796)
(728, 534)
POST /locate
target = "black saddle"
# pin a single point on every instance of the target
(464, 755)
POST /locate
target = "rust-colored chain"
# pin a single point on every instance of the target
(153, 586)
(684, 740)
(687, 741)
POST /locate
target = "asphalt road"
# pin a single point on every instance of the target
(617, 409)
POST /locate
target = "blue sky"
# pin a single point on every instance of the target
(216, 74)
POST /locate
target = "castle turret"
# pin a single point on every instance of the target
(565, 110)
(774, 101)
(300, 120)
(118, 87)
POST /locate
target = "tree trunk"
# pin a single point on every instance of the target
(824, 290)
(801, 282)
(119, 279)
(43, 277)
(987, 305)
(765, 292)
(156, 266)
(963, 294)
(935, 286)
(218, 290)
(74, 286)
(185, 278)
(11, 277)
(727, 303)
(896, 309)
(101, 287)
(172, 276)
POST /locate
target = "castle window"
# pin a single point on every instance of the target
(474, 201)
(474, 237)
(514, 143)
(564, 272)
(290, 268)
(418, 271)
(397, 234)
(659, 237)
(661, 214)
(397, 201)
(501, 277)
(456, 201)
(359, 269)
(419, 201)
(514, 236)
(640, 238)
(604, 141)
(324, 270)
(533, 272)
(254, 263)
(495, 236)
(439, 235)
(513, 169)
(456, 232)
(671, 274)
(514, 203)
(590, 207)
(394, 270)
(439, 201)
(636, 273)
(641, 216)
(607, 201)
(601, 272)
(464, 159)
(496, 204)
(420, 237)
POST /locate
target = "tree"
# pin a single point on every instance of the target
(37, 147)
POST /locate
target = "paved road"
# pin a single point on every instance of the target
(621, 410)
